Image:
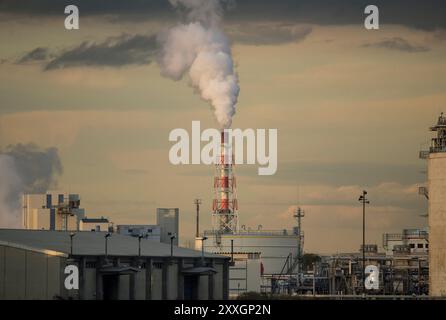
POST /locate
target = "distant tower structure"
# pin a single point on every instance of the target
(436, 195)
(224, 216)
(197, 203)
(296, 267)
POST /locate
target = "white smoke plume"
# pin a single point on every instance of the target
(200, 48)
(24, 169)
(10, 192)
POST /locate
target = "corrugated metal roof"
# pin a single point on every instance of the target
(93, 243)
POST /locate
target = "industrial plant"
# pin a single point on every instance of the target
(230, 260)
(271, 261)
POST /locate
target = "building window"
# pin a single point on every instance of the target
(412, 245)
(158, 265)
(90, 265)
(420, 245)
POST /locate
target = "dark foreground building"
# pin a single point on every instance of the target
(33, 265)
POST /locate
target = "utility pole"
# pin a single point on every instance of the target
(363, 199)
(299, 214)
(197, 203)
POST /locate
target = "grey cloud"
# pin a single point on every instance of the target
(399, 44)
(114, 51)
(329, 174)
(37, 167)
(268, 34)
(365, 174)
(427, 14)
(138, 49)
(38, 54)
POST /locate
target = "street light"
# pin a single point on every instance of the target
(139, 245)
(363, 199)
(172, 237)
(72, 234)
(203, 239)
(108, 234)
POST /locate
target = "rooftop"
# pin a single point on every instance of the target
(93, 244)
(95, 220)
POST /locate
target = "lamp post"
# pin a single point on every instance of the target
(363, 199)
(172, 237)
(72, 234)
(108, 234)
(203, 239)
(139, 245)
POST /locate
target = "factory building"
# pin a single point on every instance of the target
(415, 240)
(110, 266)
(52, 211)
(95, 224)
(436, 194)
(267, 254)
(168, 221)
(147, 231)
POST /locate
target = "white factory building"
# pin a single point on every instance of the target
(416, 241)
(52, 211)
(56, 210)
(260, 256)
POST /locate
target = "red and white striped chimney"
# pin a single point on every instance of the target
(225, 197)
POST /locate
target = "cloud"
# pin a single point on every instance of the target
(113, 52)
(125, 49)
(38, 54)
(37, 167)
(398, 44)
(268, 34)
(383, 194)
(427, 14)
(336, 173)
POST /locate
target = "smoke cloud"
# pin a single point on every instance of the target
(24, 169)
(200, 48)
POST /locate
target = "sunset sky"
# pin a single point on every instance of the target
(352, 108)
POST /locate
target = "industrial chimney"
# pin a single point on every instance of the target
(225, 206)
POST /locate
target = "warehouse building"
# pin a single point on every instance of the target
(110, 266)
